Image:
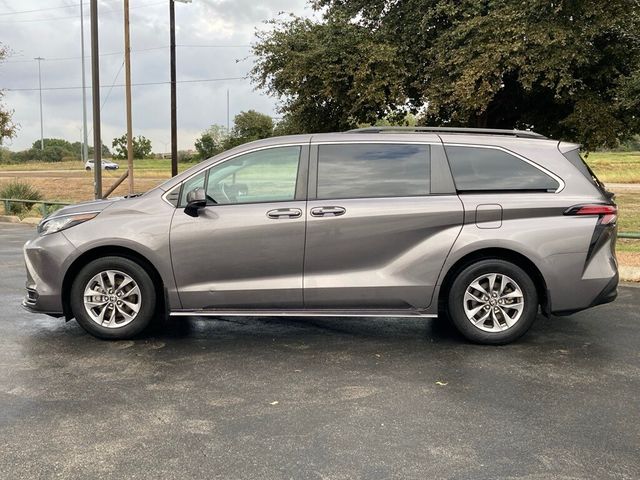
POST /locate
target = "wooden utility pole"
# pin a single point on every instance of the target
(95, 90)
(127, 72)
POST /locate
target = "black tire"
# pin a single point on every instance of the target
(88, 169)
(147, 294)
(456, 302)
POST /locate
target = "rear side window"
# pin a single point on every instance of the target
(576, 160)
(373, 170)
(478, 169)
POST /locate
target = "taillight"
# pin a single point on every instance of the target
(608, 213)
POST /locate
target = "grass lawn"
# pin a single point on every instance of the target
(615, 167)
(144, 168)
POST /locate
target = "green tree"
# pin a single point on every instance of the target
(141, 147)
(211, 142)
(7, 127)
(331, 75)
(252, 125)
(568, 69)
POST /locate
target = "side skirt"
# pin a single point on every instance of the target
(302, 313)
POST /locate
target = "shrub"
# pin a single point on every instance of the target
(19, 191)
(184, 156)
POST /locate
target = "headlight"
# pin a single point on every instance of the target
(63, 222)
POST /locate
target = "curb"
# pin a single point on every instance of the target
(629, 274)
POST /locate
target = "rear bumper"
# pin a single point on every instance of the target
(608, 294)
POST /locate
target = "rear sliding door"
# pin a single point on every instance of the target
(377, 236)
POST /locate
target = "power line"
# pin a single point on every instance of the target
(139, 50)
(215, 46)
(200, 80)
(59, 59)
(2, 14)
(76, 16)
(113, 84)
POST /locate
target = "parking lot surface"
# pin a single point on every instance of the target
(271, 398)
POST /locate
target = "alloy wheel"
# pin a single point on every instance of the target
(493, 302)
(112, 299)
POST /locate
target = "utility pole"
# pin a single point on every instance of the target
(85, 142)
(39, 59)
(95, 90)
(174, 120)
(127, 70)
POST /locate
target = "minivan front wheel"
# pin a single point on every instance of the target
(113, 298)
(493, 302)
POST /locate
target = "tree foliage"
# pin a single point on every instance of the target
(248, 126)
(211, 142)
(141, 147)
(7, 127)
(568, 68)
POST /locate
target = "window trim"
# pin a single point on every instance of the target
(561, 184)
(315, 157)
(301, 178)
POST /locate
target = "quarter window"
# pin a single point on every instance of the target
(372, 170)
(489, 169)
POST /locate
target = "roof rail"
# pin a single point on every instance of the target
(469, 131)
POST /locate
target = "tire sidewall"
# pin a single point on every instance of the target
(468, 275)
(139, 275)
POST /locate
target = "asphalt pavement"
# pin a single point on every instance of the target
(271, 398)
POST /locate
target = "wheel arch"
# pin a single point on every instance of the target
(117, 251)
(500, 254)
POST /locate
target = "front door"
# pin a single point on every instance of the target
(245, 249)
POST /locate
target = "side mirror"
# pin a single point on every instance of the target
(196, 199)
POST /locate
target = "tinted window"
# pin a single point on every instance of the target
(372, 170)
(577, 161)
(191, 184)
(482, 169)
(265, 176)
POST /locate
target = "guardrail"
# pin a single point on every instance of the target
(45, 204)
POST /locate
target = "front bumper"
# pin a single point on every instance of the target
(46, 260)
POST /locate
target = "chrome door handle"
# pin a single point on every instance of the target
(284, 213)
(328, 211)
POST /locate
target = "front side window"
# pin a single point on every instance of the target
(264, 176)
(373, 170)
(191, 184)
(478, 169)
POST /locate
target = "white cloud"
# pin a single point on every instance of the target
(203, 22)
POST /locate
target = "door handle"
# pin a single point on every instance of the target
(284, 213)
(328, 211)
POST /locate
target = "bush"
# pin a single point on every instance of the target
(19, 191)
(185, 156)
(6, 157)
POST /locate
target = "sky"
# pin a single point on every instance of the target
(213, 38)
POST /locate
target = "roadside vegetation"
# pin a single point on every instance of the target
(19, 190)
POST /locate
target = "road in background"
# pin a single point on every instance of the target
(271, 398)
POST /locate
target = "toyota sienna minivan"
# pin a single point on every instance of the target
(483, 227)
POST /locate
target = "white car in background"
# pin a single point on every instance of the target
(106, 165)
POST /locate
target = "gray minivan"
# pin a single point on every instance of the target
(480, 226)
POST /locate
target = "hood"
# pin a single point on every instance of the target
(91, 206)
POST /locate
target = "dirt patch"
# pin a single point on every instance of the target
(629, 259)
(79, 189)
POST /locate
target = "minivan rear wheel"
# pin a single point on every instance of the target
(113, 298)
(493, 302)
